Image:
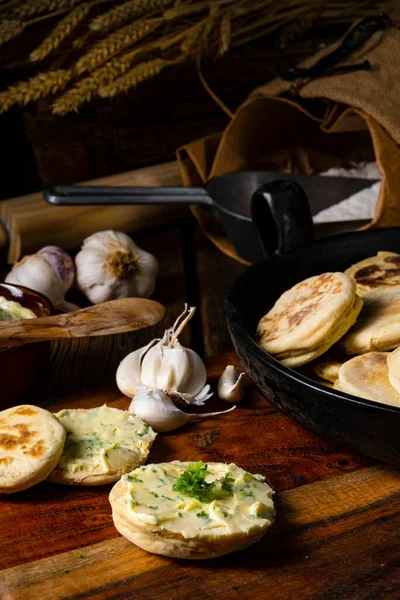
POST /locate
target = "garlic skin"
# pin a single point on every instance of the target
(166, 365)
(111, 266)
(230, 387)
(157, 410)
(50, 272)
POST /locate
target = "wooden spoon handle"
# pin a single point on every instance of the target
(116, 316)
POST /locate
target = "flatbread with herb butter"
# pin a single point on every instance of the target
(31, 443)
(192, 510)
(101, 445)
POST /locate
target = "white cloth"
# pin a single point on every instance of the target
(361, 205)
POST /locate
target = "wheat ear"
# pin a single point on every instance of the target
(113, 43)
(58, 35)
(127, 11)
(225, 35)
(134, 77)
(10, 29)
(37, 7)
(37, 87)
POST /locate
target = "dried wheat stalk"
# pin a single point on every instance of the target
(58, 35)
(134, 77)
(109, 46)
(10, 29)
(37, 87)
(225, 35)
(87, 87)
(127, 11)
(36, 7)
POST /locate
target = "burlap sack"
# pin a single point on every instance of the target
(317, 121)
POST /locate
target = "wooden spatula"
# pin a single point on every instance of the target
(116, 316)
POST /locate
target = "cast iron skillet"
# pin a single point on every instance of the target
(228, 197)
(368, 427)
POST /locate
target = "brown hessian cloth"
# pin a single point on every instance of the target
(337, 107)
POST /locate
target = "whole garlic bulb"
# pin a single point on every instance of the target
(166, 365)
(110, 266)
(50, 272)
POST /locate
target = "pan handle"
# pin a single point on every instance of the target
(97, 195)
(281, 216)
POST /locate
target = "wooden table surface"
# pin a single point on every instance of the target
(337, 513)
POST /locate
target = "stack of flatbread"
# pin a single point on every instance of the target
(75, 447)
(366, 334)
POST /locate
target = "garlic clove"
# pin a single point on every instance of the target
(128, 375)
(157, 410)
(230, 387)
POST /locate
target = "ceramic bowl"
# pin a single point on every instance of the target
(22, 368)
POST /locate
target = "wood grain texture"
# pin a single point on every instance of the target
(335, 538)
(255, 436)
(107, 318)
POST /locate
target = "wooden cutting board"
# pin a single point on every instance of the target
(335, 535)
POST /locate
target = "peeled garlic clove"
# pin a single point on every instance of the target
(110, 265)
(230, 386)
(157, 410)
(50, 272)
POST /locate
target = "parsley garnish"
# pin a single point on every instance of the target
(79, 555)
(192, 482)
(134, 478)
(153, 507)
(246, 493)
(202, 515)
(180, 514)
(154, 494)
(66, 571)
(227, 483)
(145, 430)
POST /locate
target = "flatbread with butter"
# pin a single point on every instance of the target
(102, 444)
(151, 514)
(309, 318)
(31, 443)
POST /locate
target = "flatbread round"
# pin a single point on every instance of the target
(151, 514)
(378, 326)
(375, 272)
(393, 361)
(367, 376)
(327, 366)
(31, 443)
(102, 444)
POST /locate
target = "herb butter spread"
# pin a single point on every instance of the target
(101, 444)
(10, 310)
(194, 498)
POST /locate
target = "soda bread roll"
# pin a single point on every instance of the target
(327, 366)
(367, 376)
(378, 271)
(378, 326)
(31, 443)
(153, 508)
(309, 318)
(393, 361)
(102, 444)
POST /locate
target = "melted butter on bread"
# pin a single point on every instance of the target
(242, 505)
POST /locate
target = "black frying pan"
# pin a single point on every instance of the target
(287, 226)
(362, 425)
